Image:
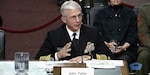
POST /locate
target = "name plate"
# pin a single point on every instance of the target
(77, 71)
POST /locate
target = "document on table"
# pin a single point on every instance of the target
(104, 63)
(43, 64)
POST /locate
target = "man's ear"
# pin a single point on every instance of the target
(63, 19)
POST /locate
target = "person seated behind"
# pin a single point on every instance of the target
(58, 41)
(118, 26)
(144, 33)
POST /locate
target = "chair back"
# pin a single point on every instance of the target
(94, 10)
(97, 5)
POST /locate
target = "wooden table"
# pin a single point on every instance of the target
(125, 69)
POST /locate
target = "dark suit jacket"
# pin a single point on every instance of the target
(122, 28)
(57, 38)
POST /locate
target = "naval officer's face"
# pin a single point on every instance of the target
(73, 19)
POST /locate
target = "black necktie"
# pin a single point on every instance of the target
(74, 37)
(74, 46)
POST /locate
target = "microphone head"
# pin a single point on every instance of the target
(86, 3)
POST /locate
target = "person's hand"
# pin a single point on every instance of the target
(122, 48)
(111, 45)
(64, 51)
(119, 50)
(79, 59)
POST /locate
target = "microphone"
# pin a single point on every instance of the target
(86, 4)
(81, 59)
(79, 49)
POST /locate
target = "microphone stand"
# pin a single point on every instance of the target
(87, 7)
(81, 59)
(79, 49)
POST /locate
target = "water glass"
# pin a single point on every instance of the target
(49, 66)
(21, 62)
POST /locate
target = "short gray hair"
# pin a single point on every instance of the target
(69, 5)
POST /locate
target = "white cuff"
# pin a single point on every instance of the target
(56, 58)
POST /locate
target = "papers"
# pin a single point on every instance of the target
(104, 63)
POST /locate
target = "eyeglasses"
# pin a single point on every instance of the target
(76, 17)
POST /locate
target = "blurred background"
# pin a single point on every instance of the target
(26, 23)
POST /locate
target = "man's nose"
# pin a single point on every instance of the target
(77, 19)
